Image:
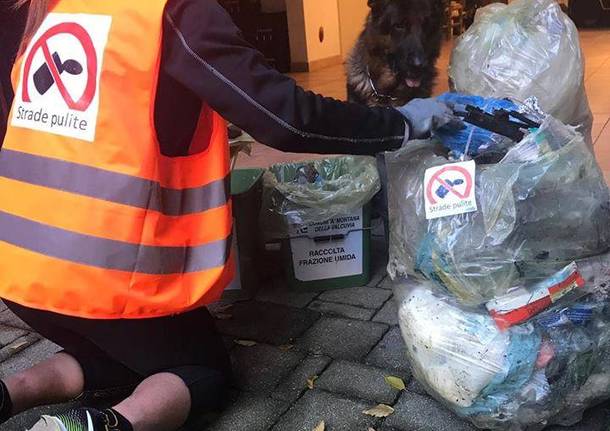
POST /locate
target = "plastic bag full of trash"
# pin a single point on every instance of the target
(545, 366)
(315, 191)
(524, 49)
(542, 206)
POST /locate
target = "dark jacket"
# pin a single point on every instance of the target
(206, 60)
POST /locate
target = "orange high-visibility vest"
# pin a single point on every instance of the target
(94, 221)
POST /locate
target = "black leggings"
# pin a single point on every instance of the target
(122, 353)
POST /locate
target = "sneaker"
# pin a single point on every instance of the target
(73, 420)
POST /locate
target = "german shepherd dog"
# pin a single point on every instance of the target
(394, 60)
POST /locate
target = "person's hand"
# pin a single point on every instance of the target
(427, 115)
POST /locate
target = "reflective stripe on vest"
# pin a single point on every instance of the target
(94, 221)
(118, 188)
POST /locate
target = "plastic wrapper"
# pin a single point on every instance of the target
(471, 140)
(528, 48)
(546, 370)
(316, 191)
(242, 143)
(544, 205)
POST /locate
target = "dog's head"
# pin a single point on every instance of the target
(406, 34)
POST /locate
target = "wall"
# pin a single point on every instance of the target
(305, 18)
(296, 32)
(322, 13)
(352, 14)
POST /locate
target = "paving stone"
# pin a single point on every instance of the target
(416, 387)
(388, 314)
(9, 334)
(261, 367)
(378, 275)
(250, 413)
(296, 383)
(387, 283)
(267, 323)
(2, 306)
(8, 318)
(18, 345)
(342, 310)
(342, 338)
(390, 354)
(416, 412)
(29, 357)
(357, 381)
(367, 297)
(594, 419)
(277, 293)
(338, 413)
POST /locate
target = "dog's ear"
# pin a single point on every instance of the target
(373, 3)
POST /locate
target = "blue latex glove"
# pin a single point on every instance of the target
(427, 115)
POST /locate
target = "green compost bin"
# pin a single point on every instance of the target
(246, 194)
(320, 252)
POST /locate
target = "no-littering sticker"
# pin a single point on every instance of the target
(58, 89)
(450, 190)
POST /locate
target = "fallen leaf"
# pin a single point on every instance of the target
(19, 345)
(245, 343)
(371, 429)
(379, 411)
(223, 316)
(311, 381)
(321, 427)
(396, 383)
(286, 347)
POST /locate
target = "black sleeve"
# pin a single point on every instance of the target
(205, 52)
(12, 24)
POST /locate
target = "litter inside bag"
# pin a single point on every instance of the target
(526, 49)
(473, 140)
(544, 205)
(546, 370)
(504, 303)
(316, 191)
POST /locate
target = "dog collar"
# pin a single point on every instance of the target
(375, 92)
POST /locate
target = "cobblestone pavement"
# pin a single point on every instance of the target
(343, 341)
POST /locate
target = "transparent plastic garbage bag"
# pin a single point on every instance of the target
(316, 191)
(544, 205)
(545, 370)
(524, 49)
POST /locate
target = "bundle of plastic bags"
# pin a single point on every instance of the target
(524, 49)
(505, 305)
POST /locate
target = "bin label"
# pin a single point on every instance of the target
(450, 190)
(329, 249)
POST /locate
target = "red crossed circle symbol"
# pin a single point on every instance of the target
(436, 178)
(76, 30)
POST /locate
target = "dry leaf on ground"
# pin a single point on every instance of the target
(321, 427)
(17, 346)
(379, 411)
(286, 347)
(396, 383)
(245, 343)
(311, 381)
